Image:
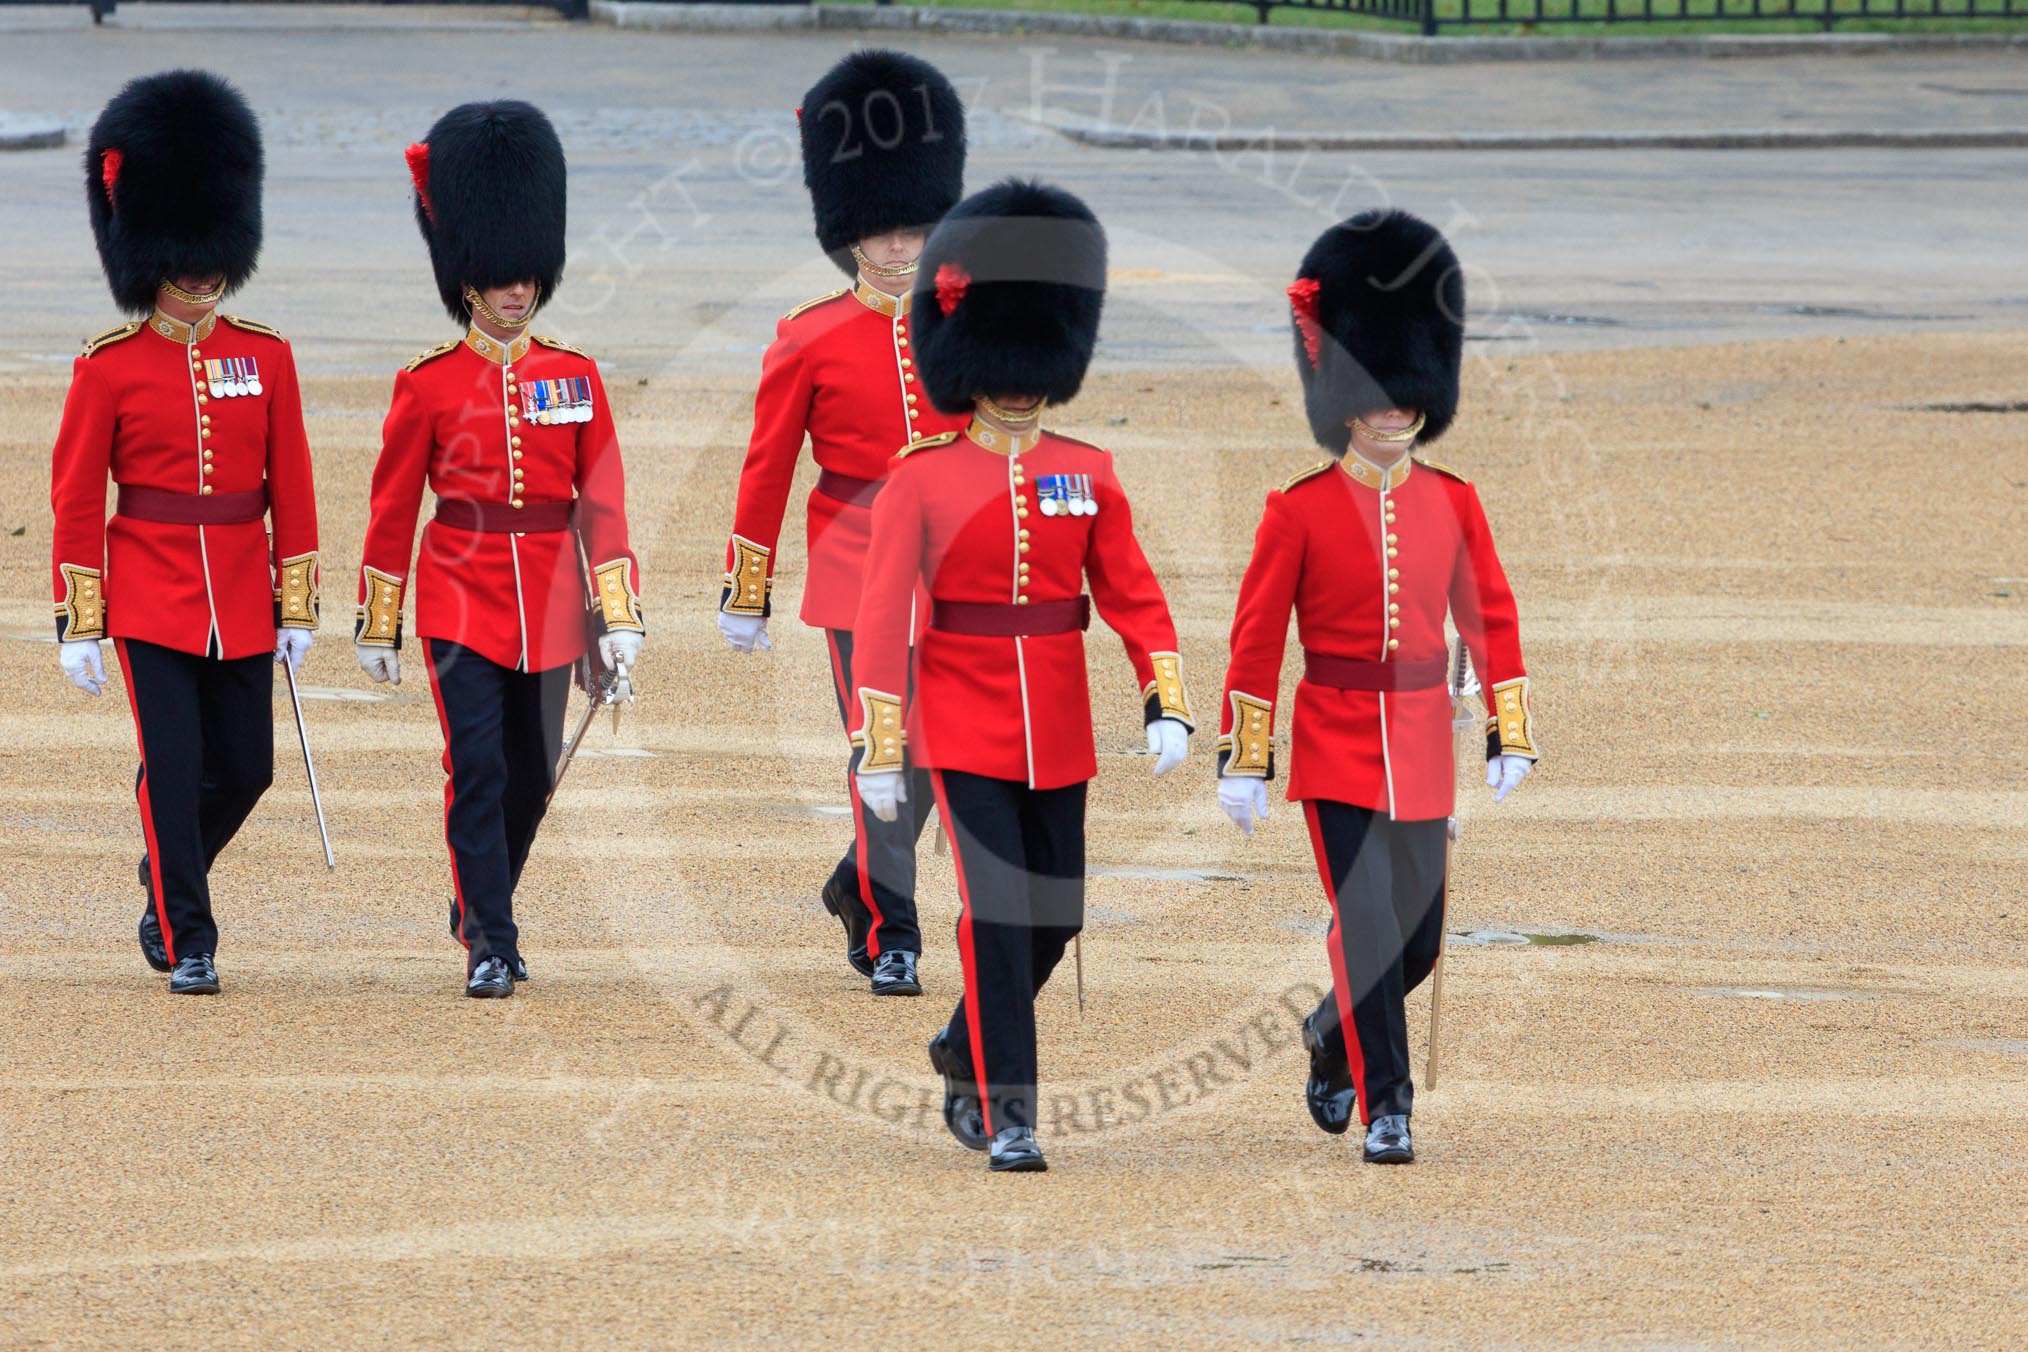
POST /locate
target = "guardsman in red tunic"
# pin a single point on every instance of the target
(1370, 550)
(197, 419)
(884, 157)
(526, 547)
(1003, 525)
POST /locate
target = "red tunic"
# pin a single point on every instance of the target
(141, 409)
(961, 513)
(1370, 572)
(515, 425)
(840, 370)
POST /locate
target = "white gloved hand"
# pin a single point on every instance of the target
(619, 650)
(382, 664)
(1504, 772)
(83, 663)
(882, 791)
(1244, 799)
(744, 632)
(292, 646)
(1168, 743)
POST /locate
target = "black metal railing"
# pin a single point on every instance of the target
(1433, 16)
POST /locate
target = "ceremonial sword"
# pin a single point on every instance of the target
(1460, 678)
(602, 699)
(303, 735)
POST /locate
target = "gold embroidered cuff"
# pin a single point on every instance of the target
(296, 597)
(881, 733)
(1247, 752)
(618, 604)
(1510, 725)
(82, 612)
(379, 623)
(748, 583)
(1164, 696)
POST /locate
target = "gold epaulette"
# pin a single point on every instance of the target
(111, 336)
(560, 345)
(1310, 473)
(432, 354)
(252, 327)
(815, 301)
(924, 443)
(1445, 470)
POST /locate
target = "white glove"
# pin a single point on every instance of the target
(620, 648)
(292, 646)
(83, 663)
(382, 664)
(1504, 772)
(1244, 800)
(744, 632)
(882, 791)
(1168, 743)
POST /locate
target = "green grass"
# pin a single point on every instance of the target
(1985, 16)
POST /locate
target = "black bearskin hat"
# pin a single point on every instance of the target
(489, 197)
(1379, 309)
(1008, 296)
(173, 180)
(883, 149)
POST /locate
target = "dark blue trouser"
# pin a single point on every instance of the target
(1020, 864)
(503, 732)
(878, 867)
(1385, 881)
(207, 734)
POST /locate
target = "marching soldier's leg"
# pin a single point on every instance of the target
(237, 698)
(162, 690)
(993, 1027)
(1419, 898)
(533, 737)
(1355, 857)
(471, 696)
(842, 892)
(239, 764)
(1052, 830)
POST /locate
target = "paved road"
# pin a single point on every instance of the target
(689, 222)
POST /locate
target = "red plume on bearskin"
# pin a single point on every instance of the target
(952, 281)
(109, 170)
(418, 157)
(1303, 300)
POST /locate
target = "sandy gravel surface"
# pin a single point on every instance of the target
(1775, 611)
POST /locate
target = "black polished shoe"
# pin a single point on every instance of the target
(852, 914)
(1329, 1093)
(194, 975)
(490, 980)
(153, 949)
(962, 1113)
(1387, 1140)
(895, 974)
(520, 968)
(1015, 1152)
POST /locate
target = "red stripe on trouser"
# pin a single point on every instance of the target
(450, 789)
(866, 897)
(1341, 987)
(967, 956)
(147, 809)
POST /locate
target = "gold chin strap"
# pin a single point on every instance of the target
(176, 292)
(1010, 420)
(1408, 433)
(492, 316)
(872, 268)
